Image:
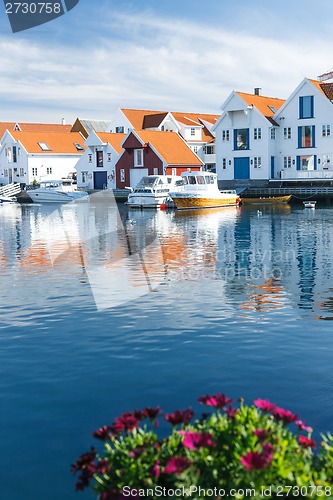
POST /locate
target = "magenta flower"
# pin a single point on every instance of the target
(196, 440)
(217, 400)
(139, 415)
(156, 471)
(86, 465)
(127, 422)
(137, 452)
(267, 449)
(103, 433)
(177, 465)
(306, 442)
(302, 426)
(151, 412)
(286, 416)
(179, 417)
(255, 460)
(231, 412)
(261, 434)
(265, 405)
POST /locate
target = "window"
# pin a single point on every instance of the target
(306, 163)
(48, 170)
(138, 157)
(34, 171)
(122, 175)
(306, 107)
(99, 159)
(84, 177)
(90, 158)
(225, 135)
(195, 149)
(44, 146)
(192, 131)
(156, 171)
(306, 136)
(14, 154)
(257, 162)
(272, 108)
(21, 172)
(119, 130)
(210, 150)
(287, 162)
(9, 154)
(273, 133)
(241, 139)
(326, 130)
(78, 146)
(109, 156)
(287, 132)
(224, 163)
(257, 133)
(5, 172)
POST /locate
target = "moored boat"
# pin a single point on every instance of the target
(153, 191)
(309, 204)
(267, 199)
(56, 191)
(200, 190)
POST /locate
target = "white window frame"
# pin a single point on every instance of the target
(287, 162)
(273, 133)
(85, 176)
(34, 171)
(257, 133)
(122, 175)
(287, 133)
(226, 135)
(224, 163)
(138, 158)
(326, 130)
(192, 131)
(21, 172)
(257, 162)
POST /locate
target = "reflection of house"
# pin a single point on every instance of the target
(149, 152)
(194, 128)
(96, 169)
(246, 136)
(29, 156)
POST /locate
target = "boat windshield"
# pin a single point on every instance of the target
(147, 182)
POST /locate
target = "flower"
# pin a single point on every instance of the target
(306, 442)
(217, 400)
(139, 415)
(179, 417)
(86, 465)
(151, 412)
(265, 405)
(137, 452)
(302, 426)
(103, 433)
(156, 471)
(261, 434)
(177, 465)
(231, 412)
(283, 415)
(196, 440)
(255, 460)
(128, 422)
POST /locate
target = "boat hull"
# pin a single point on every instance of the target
(55, 196)
(268, 199)
(147, 201)
(184, 202)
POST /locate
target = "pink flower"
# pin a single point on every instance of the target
(255, 460)
(231, 412)
(306, 442)
(196, 440)
(283, 415)
(156, 471)
(151, 412)
(302, 426)
(177, 465)
(217, 400)
(265, 405)
(179, 417)
(261, 434)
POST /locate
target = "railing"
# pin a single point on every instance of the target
(289, 190)
(10, 190)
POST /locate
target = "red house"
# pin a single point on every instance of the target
(153, 152)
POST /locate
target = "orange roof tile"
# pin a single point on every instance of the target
(265, 105)
(34, 127)
(113, 139)
(325, 87)
(58, 142)
(170, 146)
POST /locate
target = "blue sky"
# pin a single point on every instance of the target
(167, 54)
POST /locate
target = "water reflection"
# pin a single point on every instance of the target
(263, 260)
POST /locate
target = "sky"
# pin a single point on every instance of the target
(178, 55)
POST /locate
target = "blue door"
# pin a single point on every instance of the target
(241, 168)
(100, 180)
(272, 167)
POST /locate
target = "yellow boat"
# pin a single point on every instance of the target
(268, 199)
(200, 190)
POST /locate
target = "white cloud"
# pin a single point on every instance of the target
(150, 62)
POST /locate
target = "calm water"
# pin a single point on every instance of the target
(242, 304)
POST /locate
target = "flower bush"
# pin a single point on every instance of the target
(262, 447)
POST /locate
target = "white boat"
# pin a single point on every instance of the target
(56, 191)
(7, 199)
(153, 191)
(309, 204)
(200, 190)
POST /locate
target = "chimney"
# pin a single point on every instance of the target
(63, 121)
(257, 91)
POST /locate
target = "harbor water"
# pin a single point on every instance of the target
(105, 310)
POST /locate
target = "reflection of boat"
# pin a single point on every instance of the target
(309, 204)
(153, 191)
(7, 199)
(267, 199)
(200, 190)
(56, 191)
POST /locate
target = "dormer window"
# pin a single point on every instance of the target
(192, 131)
(44, 146)
(78, 146)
